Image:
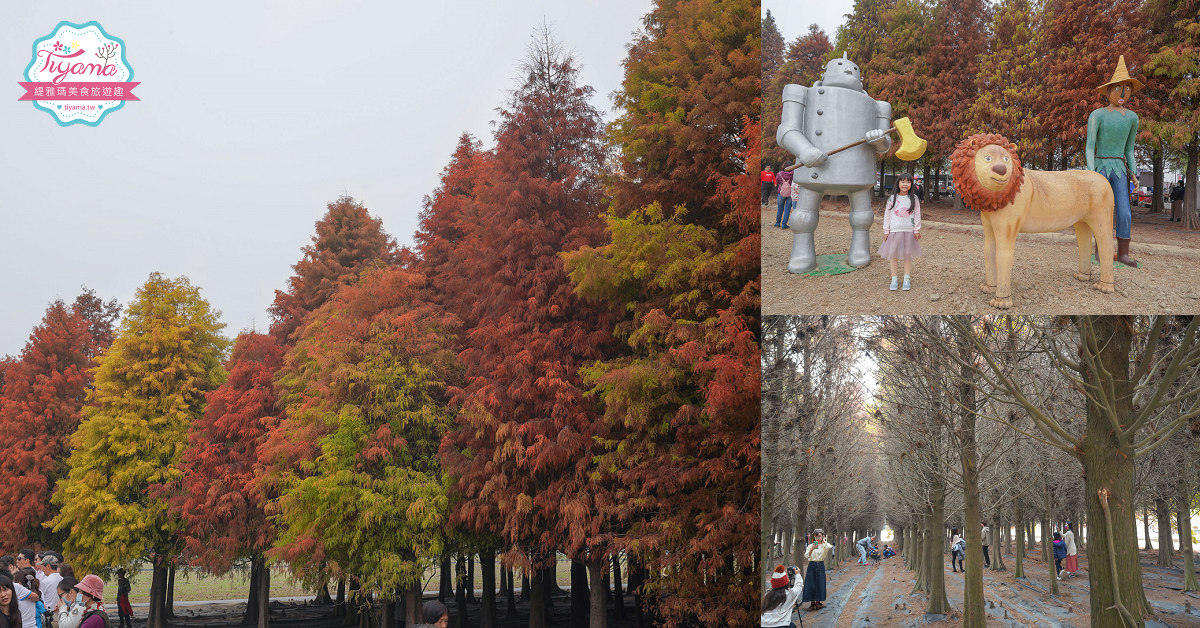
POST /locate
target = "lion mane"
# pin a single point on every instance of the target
(962, 168)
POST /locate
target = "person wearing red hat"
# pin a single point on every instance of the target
(92, 590)
(778, 603)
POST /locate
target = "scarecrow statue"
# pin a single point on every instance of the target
(837, 112)
(1111, 132)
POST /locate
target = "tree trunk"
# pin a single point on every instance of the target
(618, 594)
(250, 617)
(579, 596)
(446, 582)
(1156, 161)
(1019, 529)
(766, 532)
(412, 604)
(968, 456)
(939, 604)
(1166, 547)
(487, 572)
(596, 568)
(1052, 585)
(1190, 185)
(511, 595)
(997, 549)
(525, 593)
(340, 601)
(264, 595)
(471, 579)
(158, 595)
(1185, 540)
(387, 613)
(169, 607)
(1114, 574)
(460, 590)
(538, 617)
(1146, 528)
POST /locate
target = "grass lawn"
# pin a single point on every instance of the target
(194, 585)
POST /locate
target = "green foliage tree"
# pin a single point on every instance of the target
(1177, 64)
(125, 459)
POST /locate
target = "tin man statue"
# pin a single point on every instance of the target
(834, 112)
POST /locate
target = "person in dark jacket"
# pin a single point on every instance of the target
(1060, 552)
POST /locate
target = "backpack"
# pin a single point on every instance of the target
(103, 615)
(39, 610)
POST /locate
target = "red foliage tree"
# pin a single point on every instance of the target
(347, 238)
(691, 76)
(522, 448)
(41, 405)
(1084, 40)
(222, 511)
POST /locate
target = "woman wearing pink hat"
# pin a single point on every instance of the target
(91, 589)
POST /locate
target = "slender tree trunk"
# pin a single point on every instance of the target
(1019, 529)
(264, 595)
(412, 604)
(169, 607)
(1185, 540)
(596, 568)
(1166, 547)
(250, 617)
(579, 593)
(973, 605)
(618, 594)
(1190, 186)
(446, 582)
(471, 579)
(537, 600)
(511, 595)
(938, 602)
(766, 533)
(997, 550)
(387, 612)
(158, 595)
(1156, 159)
(460, 590)
(487, 572)
(340, 602)
(1146, 528)
(1053, 582)
(1114, 573)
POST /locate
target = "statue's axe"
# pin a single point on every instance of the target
(911, 146)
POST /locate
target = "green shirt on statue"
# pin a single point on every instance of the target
(1110, 136)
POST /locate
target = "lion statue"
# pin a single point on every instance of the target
(1012, 200)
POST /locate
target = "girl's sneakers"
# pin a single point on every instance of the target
(907, 285)
(895, 283)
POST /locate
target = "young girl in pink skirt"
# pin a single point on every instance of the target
(901, 229)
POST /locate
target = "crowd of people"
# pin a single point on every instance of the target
(39, 590)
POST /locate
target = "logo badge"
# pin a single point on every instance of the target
(78, 74)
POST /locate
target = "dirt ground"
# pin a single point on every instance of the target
(882, 597)
(946, 278)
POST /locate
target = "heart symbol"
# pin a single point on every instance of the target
(60, 106)
(100, 107)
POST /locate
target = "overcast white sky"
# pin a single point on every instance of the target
(253, 116)
(792, 17)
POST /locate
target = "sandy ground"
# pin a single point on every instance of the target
(946, 278)
(882, 598)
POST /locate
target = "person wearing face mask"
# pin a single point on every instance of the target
(91, 591)
(69, 611)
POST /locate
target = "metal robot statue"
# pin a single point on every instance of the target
(834, 112)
